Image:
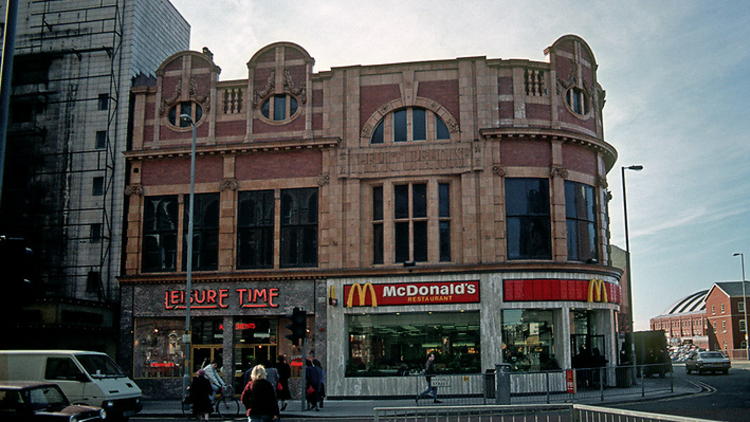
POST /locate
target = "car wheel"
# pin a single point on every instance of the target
(725, 372)
(688, 370)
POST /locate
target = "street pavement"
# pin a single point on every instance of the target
(364, 408)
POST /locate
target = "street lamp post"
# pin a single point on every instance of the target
(744, 303)
(627, 269)
(189, 264)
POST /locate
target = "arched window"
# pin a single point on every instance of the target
(410, 124)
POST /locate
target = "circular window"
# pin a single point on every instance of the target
(279, 107)
(577, 100)
(189, 108)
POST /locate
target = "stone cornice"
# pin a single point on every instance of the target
(319, 274)
(596, 144)
(246, 148)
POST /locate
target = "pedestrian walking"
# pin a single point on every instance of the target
(259, 397)
(313, 376)
(429, 372)
(285, 372)
(322, 389)
(199, 396)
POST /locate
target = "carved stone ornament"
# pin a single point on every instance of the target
(601, 182)
(260, 94)
(498, 171)
(134, 190)
(229, 184)
(194, 95)
(558, 171)
(300, 92)
(323, 179)
(167, 103)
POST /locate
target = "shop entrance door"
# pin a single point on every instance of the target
(247, 356)
(589, 343)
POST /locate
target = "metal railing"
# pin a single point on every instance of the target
(558, 386)
(520, 413)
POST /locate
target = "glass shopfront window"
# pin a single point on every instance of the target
(528, 340)
(255, 343)
(384, 345)
(158, 352)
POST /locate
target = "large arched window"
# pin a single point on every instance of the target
(410, 124)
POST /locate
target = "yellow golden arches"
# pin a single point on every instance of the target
(361, 292)
(597, 290)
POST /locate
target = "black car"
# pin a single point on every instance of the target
(34, 401)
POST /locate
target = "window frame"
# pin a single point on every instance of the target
(581, 222)
(259, 231)
(400, 126)
(298, 237)
(527, 223)
(269, 108)
(205, 233)
(165, 229)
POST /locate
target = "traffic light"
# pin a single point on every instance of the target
(298, 327)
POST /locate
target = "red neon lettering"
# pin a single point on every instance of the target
(273, 293)
(211, 297)
(223, 294)
(260, 294)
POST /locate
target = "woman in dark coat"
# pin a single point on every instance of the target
(200, 395)
(259, 397)
(285, 372)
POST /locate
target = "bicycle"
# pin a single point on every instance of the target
(224, 404)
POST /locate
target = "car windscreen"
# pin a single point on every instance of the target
(712, 355)
(48, 397)
(100, 366)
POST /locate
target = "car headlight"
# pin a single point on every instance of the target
(102, 414)
(110, 403)
(73, 418)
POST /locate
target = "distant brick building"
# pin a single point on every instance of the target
(685, 321)
(725, 312)
(457, 207)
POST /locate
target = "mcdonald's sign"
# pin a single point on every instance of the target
(361, 295)
(418, 293)
(553, 289)
(597, 290)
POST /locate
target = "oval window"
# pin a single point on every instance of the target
(279, 107)
(189, 108)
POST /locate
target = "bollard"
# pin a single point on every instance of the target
(502, 376)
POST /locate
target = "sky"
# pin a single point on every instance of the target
(677, 81)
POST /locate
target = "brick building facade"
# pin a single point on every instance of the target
(454, 206)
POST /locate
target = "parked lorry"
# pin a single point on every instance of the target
(651, 352)
(89, 378)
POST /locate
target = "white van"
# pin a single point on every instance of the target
(90, 378)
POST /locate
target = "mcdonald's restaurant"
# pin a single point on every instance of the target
(381, 329)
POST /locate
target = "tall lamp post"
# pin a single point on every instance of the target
(189, 264)
(744, 303)
(627, 269)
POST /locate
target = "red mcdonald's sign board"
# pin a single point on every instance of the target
(592, 290)
(428, 293)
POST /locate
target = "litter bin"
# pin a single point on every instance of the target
(624, 376)
(502, 395)
(489, 384)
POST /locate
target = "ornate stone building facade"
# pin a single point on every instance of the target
(457, 207)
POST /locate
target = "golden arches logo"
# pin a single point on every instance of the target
(597, 290)
(361, 292)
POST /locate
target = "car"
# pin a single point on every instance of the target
(708, 362)
(36, 401)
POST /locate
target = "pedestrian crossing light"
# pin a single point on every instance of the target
(298, 327)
